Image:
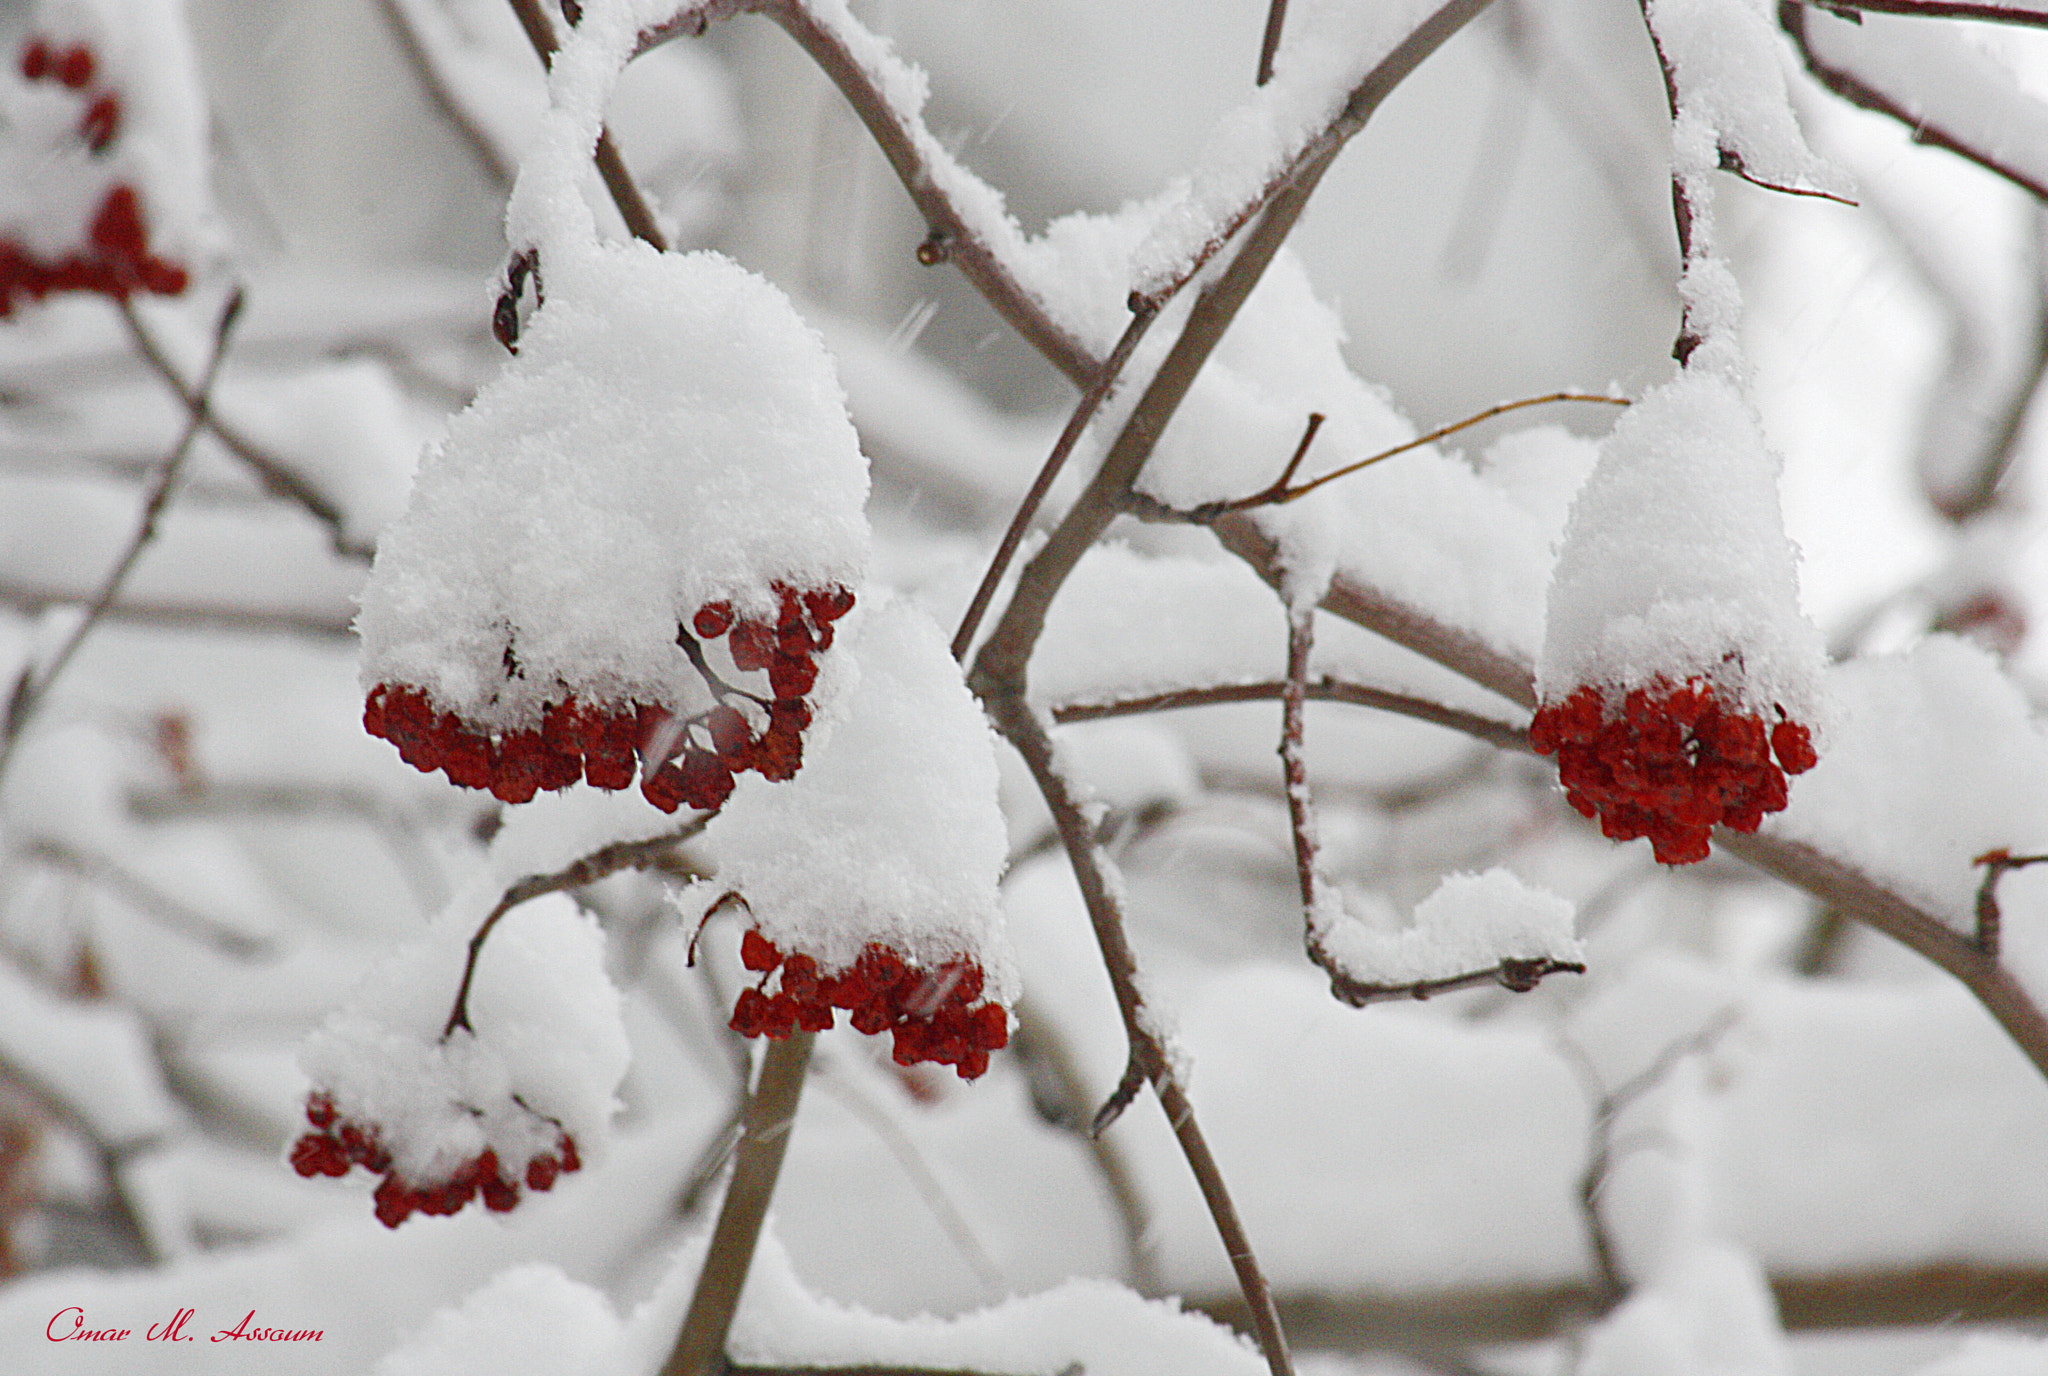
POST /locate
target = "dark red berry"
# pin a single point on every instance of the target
(713, 619)
(74, 67)
(35, 59)
(100, 123)
(758, 953)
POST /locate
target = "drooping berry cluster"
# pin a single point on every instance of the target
(932, 1013)
(116, 259)
(1669, 762)
(682, 760)
(338, 1143)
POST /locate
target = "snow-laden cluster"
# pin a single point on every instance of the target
(102, 153)
(1676, 661)
(629, 551)
(488, 1110)
(871, 877)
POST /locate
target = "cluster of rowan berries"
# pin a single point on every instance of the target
(338, 1143)
(1669, 762)
(683, 761)
(116, 259)
(928, 1011)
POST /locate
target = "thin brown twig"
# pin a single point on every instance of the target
(1148, 1055)
(1279, 493)
(953, 236)
(1944, 9)
(30, 598)
(417, 56)
(1989, 921)
(1850, 87)
(1084, 411)
(1689, 337)
(769, 1117)
(274, 473)
(1608, 1106)
(618, 181)
(147, 898)
(1504, 735)
(32, 686)
(1269, 42)
(604, 861)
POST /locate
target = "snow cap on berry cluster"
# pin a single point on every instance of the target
(546, 1051)
(670, 434)
(891, 833)
(103, 151)
(1675, 564)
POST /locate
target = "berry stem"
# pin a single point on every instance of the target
(765, 1128)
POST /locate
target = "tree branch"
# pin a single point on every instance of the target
(30, 687)
(765, 1128)
(1504, 735)
(274, 473)
(1149, 1057)
(1850, 87)
(600, 863)
(625, 192)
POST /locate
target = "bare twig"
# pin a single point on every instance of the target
(1792, 19)
(625, 192)
(1989, 921)
(1504, 735)
(31, 598)
(147, 898)
(606, 860)
(1279, 492)
(31, 687)
(765, 1129)
(929, 1188)
(417, 56)
(1689, 338)
(954, 237)
(1608, 1106)
(1987, 10)
(1269, 43)
(1148, 1055)
(274, 473)
(1084, 411)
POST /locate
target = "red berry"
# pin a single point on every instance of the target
(1793, 745)
(100, 123)
(752, 645)
(35, 59)
(791, 676)
(75, 67)
(758, 953)
(320, 1111)
(713, 619)
(828, 604)
(541, 1173)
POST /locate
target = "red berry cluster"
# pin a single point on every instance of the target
(116, 259)
(337, 1143)
(602, 744)
(927, 1010)
(1669, 762)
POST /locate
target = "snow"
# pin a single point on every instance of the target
(96, 1062)
(546, 1054)
(1727, 65)
(1992, 1355)
(1471, 923)
(1675, 563)
(1327, 47)
(902, 841)
(1932, 760)
(1708, 1313)
(625, 469)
